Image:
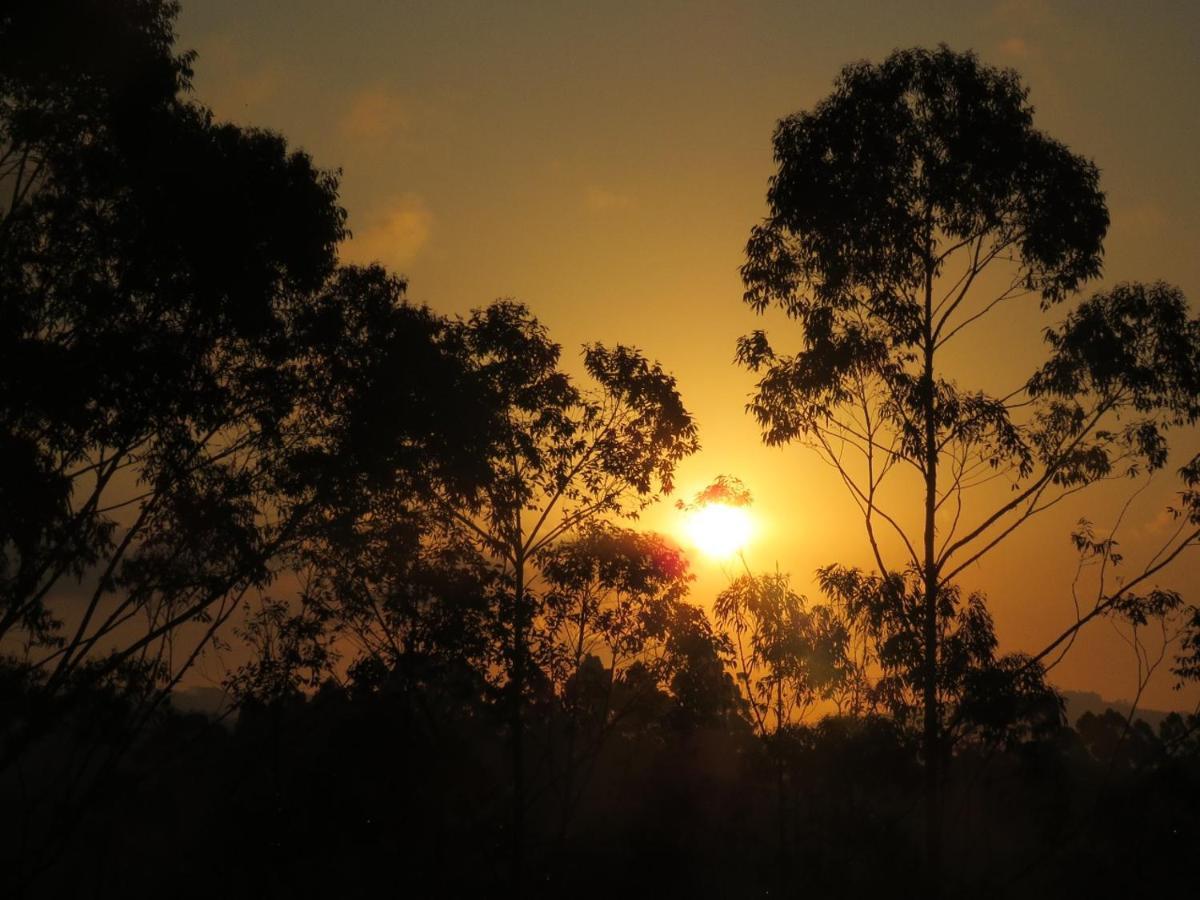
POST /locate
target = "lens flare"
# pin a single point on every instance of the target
(719, 530)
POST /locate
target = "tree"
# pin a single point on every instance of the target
(995, 699)
(914, 201)
(395, 416)
(790, 653)
(614, 610)
(190, 387)
(150, 267)
(556, 458)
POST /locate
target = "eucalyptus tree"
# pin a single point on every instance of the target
(189, 384)
(615, 603)
(611, 594)
(151, 265)
(558, 457)
(388, 409)
(789, 653)
(191, 389)
(148, 260)
(908, 207)
(990, 699)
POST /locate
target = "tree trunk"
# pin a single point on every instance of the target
(931, 737)
(518, 727)
(780, 799)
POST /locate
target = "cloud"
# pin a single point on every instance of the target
(1015, 46)
(372, 115)
(600, 200)
(1161, 523)
(393, 236)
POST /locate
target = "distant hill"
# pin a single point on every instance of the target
(1079, 702)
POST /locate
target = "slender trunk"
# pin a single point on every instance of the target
(518, 726)
(931, 738)
(780, 800)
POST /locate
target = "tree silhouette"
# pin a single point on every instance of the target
(996, 699)
(190, 388)
(557, 458)
(790, 653)
(615, 617)
(893, 197)
(395, 417)
(149, 265)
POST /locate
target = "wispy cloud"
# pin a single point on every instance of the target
(1017, 21)
(394, 236)
(373, 115)
(1016, 47)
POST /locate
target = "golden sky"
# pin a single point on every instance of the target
(604, 162)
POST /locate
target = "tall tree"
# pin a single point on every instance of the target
(914, 201)
(188, 383)
(149, 263)
(614, 603)
(191, 389)
(558, 458)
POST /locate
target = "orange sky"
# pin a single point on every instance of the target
(604, 162)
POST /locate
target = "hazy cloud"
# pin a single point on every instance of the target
(373, 115)
(1016, 47)
(393, 236)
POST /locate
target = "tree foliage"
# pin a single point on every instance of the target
(790, 653)
(191, 388)
(985, 696)
(914, 201)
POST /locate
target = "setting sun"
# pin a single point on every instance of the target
(719, 530)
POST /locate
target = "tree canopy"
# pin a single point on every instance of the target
(190, 385)
(913, 202)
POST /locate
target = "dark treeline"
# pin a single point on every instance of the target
(356, 789)
(458, 668)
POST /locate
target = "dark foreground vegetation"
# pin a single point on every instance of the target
(405, 539)
(354, 791)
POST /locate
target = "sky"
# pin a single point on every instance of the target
(603, 162)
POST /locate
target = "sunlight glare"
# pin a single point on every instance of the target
(719, 530)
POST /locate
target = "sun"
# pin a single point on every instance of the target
(719, 530)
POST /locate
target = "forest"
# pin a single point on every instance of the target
(456, 664)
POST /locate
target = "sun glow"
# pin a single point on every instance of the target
(719, 530)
